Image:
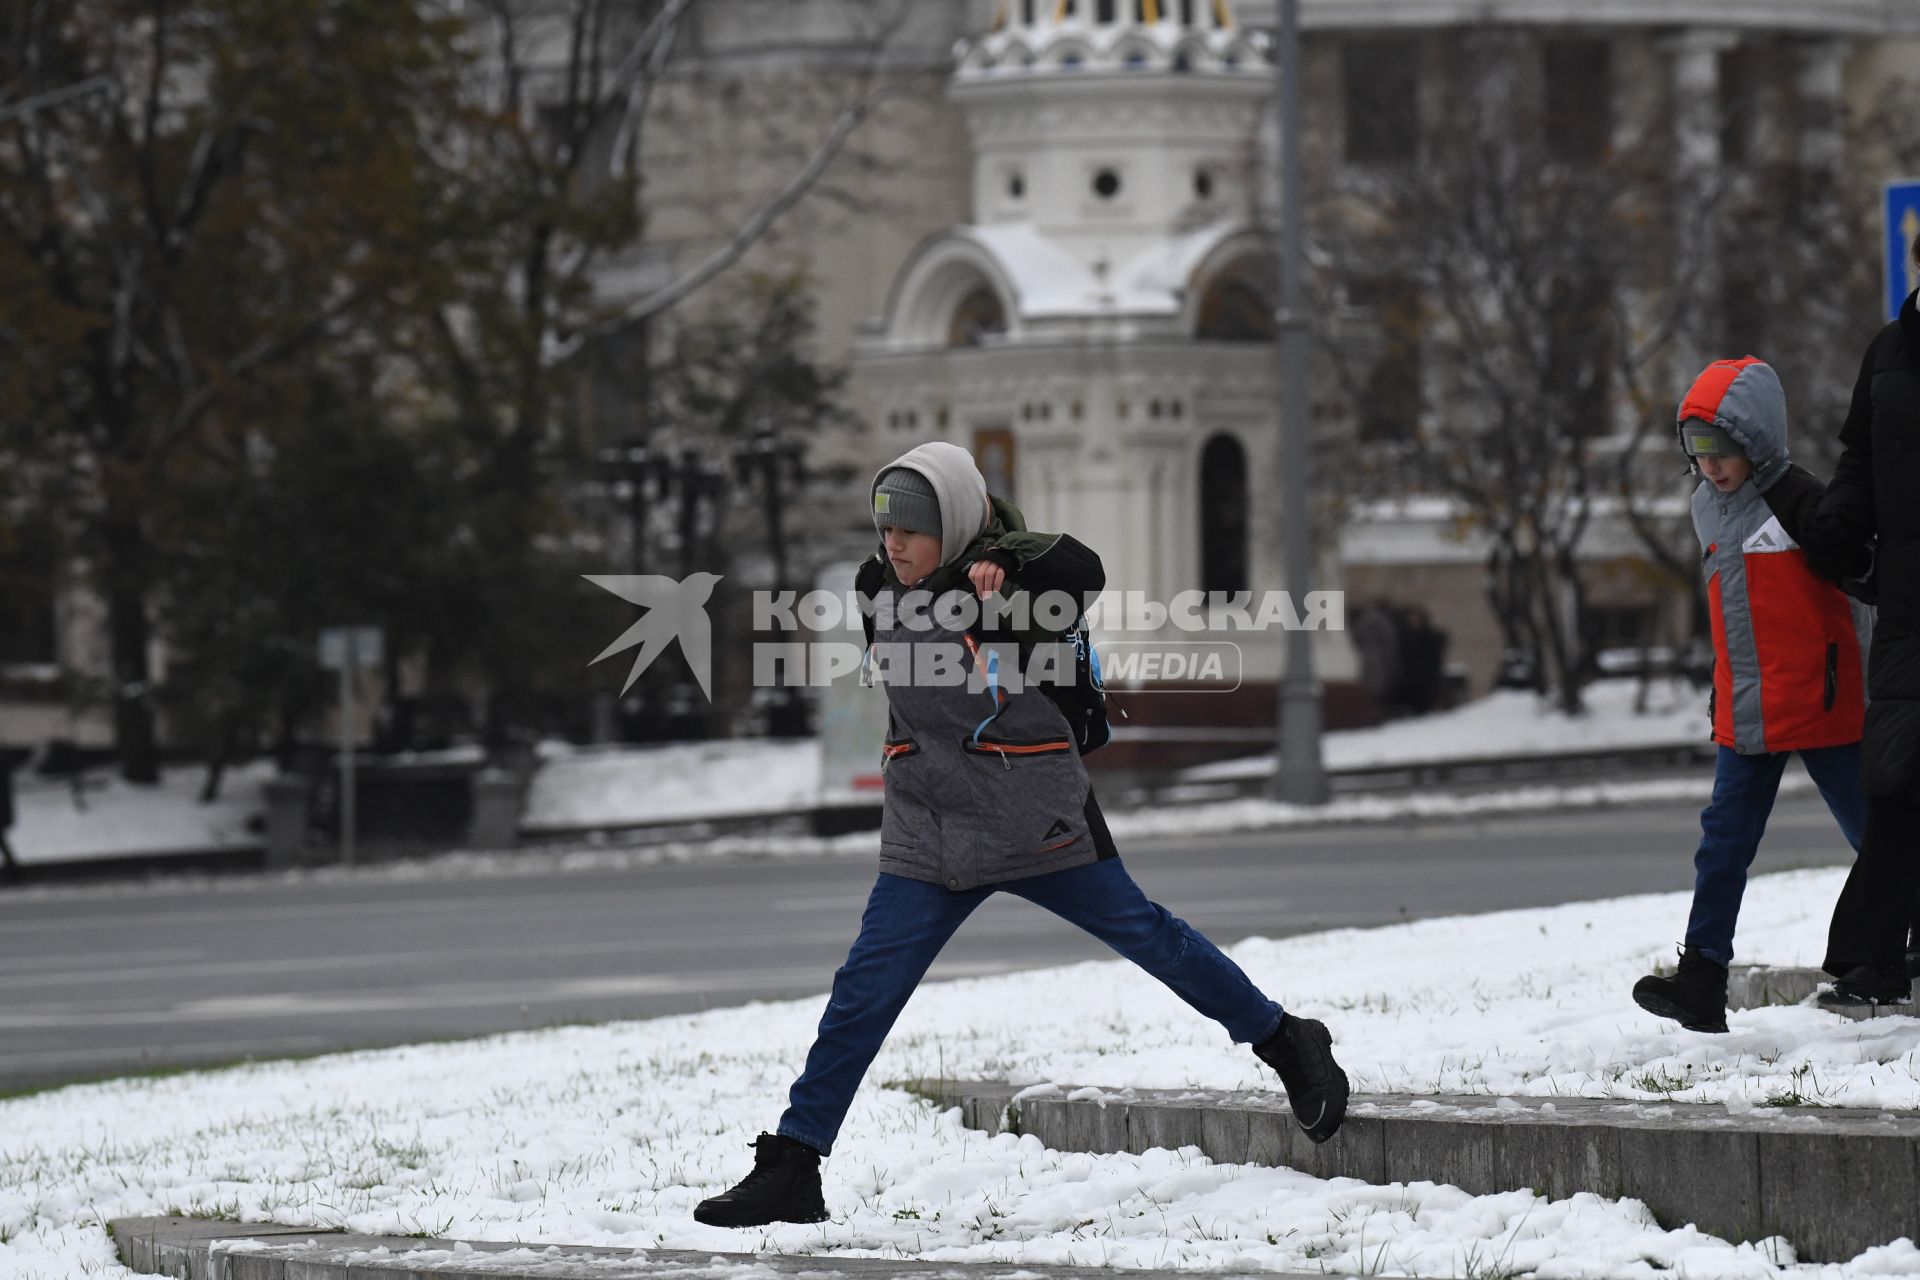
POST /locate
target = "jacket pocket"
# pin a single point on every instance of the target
(1833, 676)
(1011, 749)
(896, 749)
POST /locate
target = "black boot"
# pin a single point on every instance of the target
(1302, 1052)
(783, 1187)
(1696, 997)
(1869, 985)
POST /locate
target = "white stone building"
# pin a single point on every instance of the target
(1098, 330)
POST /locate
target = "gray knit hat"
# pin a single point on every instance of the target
(1703, 439)
(905, 499)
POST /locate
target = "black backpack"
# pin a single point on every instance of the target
(1083, 702)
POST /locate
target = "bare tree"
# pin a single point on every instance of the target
(1510, 278)
(570, 86)
(565, 282)
(1800, 288)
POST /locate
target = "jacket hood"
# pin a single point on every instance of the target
(957, 483)
(1744, 398)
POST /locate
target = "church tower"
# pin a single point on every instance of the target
(1100, 331)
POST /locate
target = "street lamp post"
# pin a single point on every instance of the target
(776, 464)
(1299, 775)
(634, 473)
(695, 482)
(632, 470)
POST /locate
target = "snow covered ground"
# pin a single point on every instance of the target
(624, 786)
(609, 787)
(610, 1135)
(120, 819)
(1509, 722)
(579, 787)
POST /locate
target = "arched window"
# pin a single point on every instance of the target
(1224, 515)
(978, 317)
(1233, 310)
(1026, 12)
(1186, 13)
(1105, 11)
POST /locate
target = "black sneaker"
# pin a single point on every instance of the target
(1302, 1052)
(1695, 997)
(783, 1187)
(1868, 985)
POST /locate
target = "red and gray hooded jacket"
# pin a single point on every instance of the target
(1789, 647)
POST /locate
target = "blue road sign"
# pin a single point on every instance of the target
(1903, 228)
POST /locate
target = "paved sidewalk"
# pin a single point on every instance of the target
(198, 1249)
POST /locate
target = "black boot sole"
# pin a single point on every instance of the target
(1851, 1000)
(1661, 1007)
(723, 1219)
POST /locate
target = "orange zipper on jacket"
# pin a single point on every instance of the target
(987, 746)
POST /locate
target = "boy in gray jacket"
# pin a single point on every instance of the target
(985, 791)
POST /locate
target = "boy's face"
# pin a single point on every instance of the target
(1725, 472)
(914, 555)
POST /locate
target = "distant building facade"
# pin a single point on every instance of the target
(1103, 350)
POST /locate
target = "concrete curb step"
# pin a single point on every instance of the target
(1759, 986)
(202, 1249)
(1833, 1181)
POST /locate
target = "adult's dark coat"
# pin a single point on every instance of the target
(1869, 523)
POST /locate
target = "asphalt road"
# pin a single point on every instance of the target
(107, 981)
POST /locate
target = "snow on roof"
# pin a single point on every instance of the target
(1168, 268)
(1047, 280)
(1050, 283)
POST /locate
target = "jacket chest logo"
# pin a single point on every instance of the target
(1769, 537)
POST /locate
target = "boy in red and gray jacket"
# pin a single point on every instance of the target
(1789, 652)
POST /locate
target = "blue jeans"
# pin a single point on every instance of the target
(1734, 820)
(908, 921)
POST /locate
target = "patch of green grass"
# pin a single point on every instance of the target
(225, 1211)
(1660, 1081)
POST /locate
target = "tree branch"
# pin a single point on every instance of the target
(741, 241)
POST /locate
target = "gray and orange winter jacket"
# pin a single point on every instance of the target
(1789, 646)
(982, 784)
